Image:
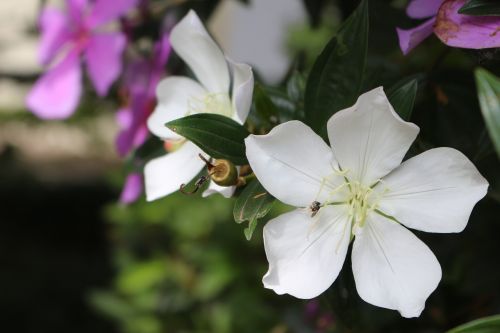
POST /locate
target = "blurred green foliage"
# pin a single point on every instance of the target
(185, 266)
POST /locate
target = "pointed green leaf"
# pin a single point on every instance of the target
(248, 231)
(336, 78)
(488, 87)
(218, 136)
(402, 97)
(481, 8)
(483, 325)
(253, 203)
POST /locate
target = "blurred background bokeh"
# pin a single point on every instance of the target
(73, 259)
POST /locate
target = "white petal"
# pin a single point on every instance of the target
(242, 89)
(434, 191)
(213, 188)
(164, 175)
(306, 254)
(174, 95)
(392, 268)
(292, 162)
(369, 139)
(194, 45)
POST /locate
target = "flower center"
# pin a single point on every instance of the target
(360, 201)
(218, 103)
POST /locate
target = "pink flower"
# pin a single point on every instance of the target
(141, 79)
(452, 28)
(66, 37)
(132, 189)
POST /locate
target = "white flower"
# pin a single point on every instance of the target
(181, 96)
(364, 192)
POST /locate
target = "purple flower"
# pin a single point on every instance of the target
(452, 28)
(66, 38)
(132, 189)
(141, 79)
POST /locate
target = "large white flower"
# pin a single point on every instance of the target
(363, 191)
(224, 87)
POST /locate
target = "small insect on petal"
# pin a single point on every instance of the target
(315, 207)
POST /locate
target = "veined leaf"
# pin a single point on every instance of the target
(218, 136)
(488, 87)
(402, 97)
(253, 203)
(336, 78)
(481, 8)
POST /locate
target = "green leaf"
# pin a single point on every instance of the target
(248, 231)
(296, 86)
(253, 203)
(402, 97)
(483, 325)
(264, 105)
(142, 276)
(488, 87)
(218, 136)
(285, 106)
(481, 8)
(111, 304)
(314, 9)
(151, 148)
(336, 78)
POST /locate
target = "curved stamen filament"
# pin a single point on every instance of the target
(358, 199)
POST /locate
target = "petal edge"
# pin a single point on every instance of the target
(305, 254)
(392, 268)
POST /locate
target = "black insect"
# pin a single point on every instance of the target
(315, 206)
(197, 185)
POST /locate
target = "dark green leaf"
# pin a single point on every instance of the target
(402, 97)
(253, 203)
(483, 325)
(218, 136)
(264, 105)
(336, 78)
(295, 87)
(151, 148)
(481, 8)
(285, 106)
(314, 9)
(488, 87)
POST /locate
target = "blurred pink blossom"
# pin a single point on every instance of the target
(67, 37)
(452, 28)
(132, 189)
(141, 79)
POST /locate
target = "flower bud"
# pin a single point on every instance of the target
(223, 173)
